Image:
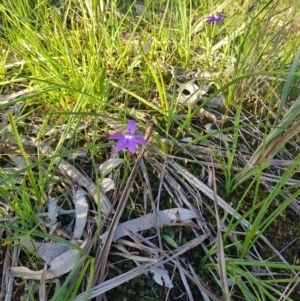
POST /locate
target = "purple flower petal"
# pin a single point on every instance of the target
(131, 145)
(116, 136)
(218, 18)
(131, 127)
(139, 139)
(210, 19)
(121, 144)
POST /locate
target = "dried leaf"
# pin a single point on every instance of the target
(161, 277)
(220, 136)
(47, 251)
(152, 220)
(183, 278)
(19, 161)
(195, 93)
(216, 102)
(7, 98)
(14, 110)
(107, 184)
(81, 210)
(65, 262)
(52, 213)
(77, 155)
(108, 165)
(186, 139)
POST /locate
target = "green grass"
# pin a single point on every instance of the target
(73, 73)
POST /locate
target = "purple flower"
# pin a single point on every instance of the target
(217, 18)
(129, 140)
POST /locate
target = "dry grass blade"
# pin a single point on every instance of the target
(161, 275)
(221, 254)
(278, 136)
(10, 282)
(42, 288)
(150, 248)
(205, 297)
(134, 257)
(126, 254)
(184, 281)
(201, 287)
(147, 181)
(276, 144)
(5, 277)
(295, 283)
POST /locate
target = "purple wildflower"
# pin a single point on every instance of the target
(129, 140)
(217, 18)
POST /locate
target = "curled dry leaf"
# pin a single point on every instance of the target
(108, 165)
(8, 98)
(161, 277)
(195, 93)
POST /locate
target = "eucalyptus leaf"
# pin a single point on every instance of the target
(169, 240)
(81, 210)
(108, 165)
(161, 277)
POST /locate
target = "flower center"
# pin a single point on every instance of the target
(129, 137)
